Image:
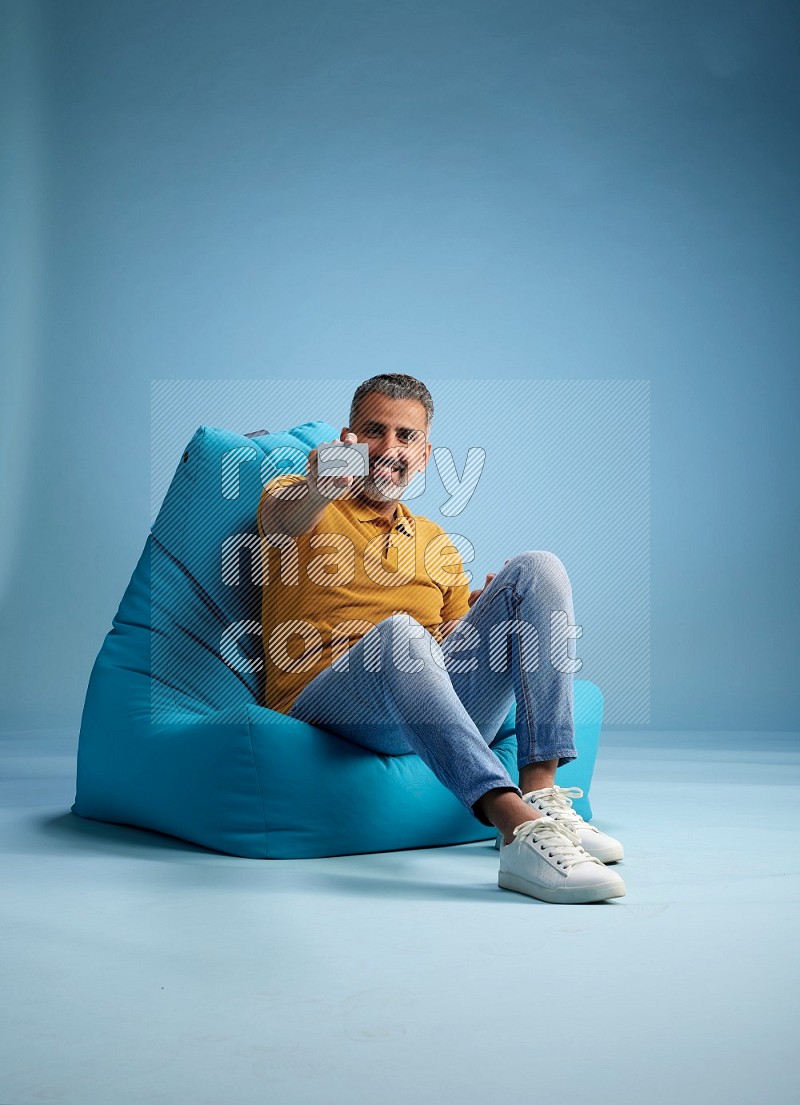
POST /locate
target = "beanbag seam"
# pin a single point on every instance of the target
(258, 782)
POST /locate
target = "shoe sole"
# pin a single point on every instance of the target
(607, 857)
(575, 895)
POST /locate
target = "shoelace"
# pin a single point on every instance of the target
(556, 802)
(555, 839)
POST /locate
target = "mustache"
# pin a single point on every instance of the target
(387, 458)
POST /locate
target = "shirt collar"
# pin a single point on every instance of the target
(403, 520)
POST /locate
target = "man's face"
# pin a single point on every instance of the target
(395, 431)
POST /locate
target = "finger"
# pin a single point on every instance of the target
(328, 480)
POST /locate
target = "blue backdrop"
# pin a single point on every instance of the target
(305, 192)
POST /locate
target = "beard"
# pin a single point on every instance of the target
(386, 485)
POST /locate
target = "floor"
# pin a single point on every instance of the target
(139, 969)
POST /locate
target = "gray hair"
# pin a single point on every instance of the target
(395, 385)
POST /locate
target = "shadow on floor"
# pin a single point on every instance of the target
(99, 836)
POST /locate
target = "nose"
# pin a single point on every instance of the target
(391, 443)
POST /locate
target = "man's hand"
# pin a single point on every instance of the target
(448, 627)
(330, 486)
(475, 595)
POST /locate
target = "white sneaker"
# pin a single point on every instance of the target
(545, 860)
(556, 803)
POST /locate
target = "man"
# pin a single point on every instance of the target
(382, 643)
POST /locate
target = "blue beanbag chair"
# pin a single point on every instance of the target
(173, 734)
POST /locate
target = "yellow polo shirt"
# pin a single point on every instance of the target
(322, 591)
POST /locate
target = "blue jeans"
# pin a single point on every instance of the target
(398, 691)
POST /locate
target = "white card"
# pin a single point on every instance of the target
(342, 460)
